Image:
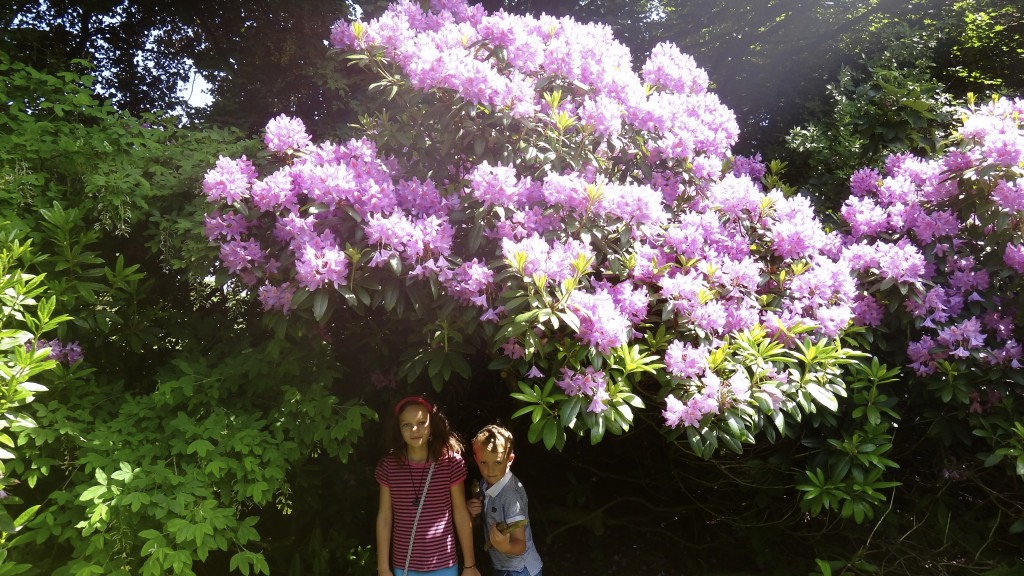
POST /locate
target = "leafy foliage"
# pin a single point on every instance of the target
(162, 449)
(889, 110)
(26, 313)
(983, 45)
(145, 54)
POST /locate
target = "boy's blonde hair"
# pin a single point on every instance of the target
(494, 438)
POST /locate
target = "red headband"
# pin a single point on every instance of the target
(410, 400)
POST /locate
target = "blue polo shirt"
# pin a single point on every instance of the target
(506, 502)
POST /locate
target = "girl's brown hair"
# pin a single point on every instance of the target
(443, 440)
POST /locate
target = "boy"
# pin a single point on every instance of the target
(508, 536)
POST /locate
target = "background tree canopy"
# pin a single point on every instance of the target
(142, 53)
(200, 435)
(768, 63)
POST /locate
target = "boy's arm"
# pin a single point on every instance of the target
(384, 521)
(512, 543)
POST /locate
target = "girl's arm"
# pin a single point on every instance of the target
(464, 529)
(384, 520)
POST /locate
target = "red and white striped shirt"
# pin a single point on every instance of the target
(434, 546)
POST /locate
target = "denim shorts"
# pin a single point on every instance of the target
(523, 572)
(449, 571)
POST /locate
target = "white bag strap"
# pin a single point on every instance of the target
(416, 521)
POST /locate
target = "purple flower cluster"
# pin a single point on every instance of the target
(286, 134)
(321, 262)
(670, 69)
(69, 353)
(704, 392)
(443, 49)
(495, 60)
(589, 383)
(602, 324)
(996, 129)
(685, 360)
(703, 401)
(384, 380)
(551, 261)
(229, 181)
(305, 214)
(609, 247)
(907, 227)
(1014, 257)
(469, 283)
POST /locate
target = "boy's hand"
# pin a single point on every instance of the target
(499, 536)
(504, 535)
(476, 506)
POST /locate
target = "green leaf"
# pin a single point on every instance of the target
(92, 493)
(461, 366)
(550, 432)
(32, 387)
(569, 409)
(320, 301)
(241, 562)
(25, 516)
(823, 397)
(597, 431)
(993, 459)
(523, 410)
(695, 440)
(199, 447)
(535, 432)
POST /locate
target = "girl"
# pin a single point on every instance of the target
(422, 498)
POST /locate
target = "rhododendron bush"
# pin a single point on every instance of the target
(937, 244)
(525, 194)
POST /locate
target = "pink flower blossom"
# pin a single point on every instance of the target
(277, 297)
(66, 353)
(239, 255)
(867, 311)
(229, 180)
(601, 323)
(513, 349)
(286, 134)
(864, 182)
(794, 229)
(590, 383)
(1009, 195)
(470, 280)
(735, 196)
(684, 360)
(384, 380)
(1013, 256)
(672, 70)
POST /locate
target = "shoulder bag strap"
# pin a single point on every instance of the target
(416, 521)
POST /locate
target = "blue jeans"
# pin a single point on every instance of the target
(523, 572)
